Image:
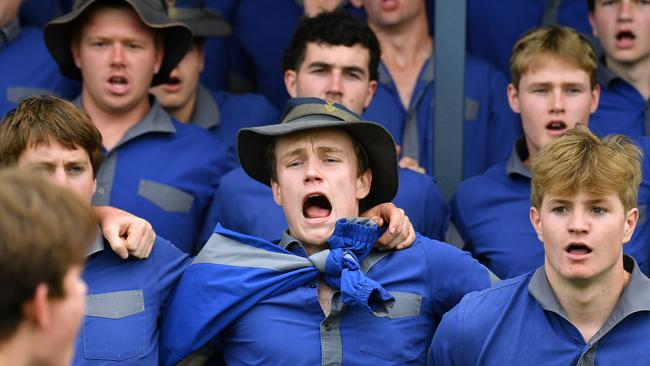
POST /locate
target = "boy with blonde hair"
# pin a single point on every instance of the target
(589, 302)
(553, 89)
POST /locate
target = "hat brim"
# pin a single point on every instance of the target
(177, 39)
(252, 145)
(203, 22)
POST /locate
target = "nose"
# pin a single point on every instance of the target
(625, 11)
(578, 223)
(118, 54)
(313, 172)
(59, 177)
(558, 102)
(334, 89)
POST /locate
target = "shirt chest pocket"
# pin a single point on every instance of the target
(114, 326)
(168, 198)
(397, 335)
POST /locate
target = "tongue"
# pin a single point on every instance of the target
(315, 212)
(625, 42)
(579, 250)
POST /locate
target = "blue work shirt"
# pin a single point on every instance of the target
(494, 26)
(289, 327)
(521, 322)
(215, 77)
(165, 172)
(490, 126)
(492, 214)
(224, 114)
(621, 108)
(245, 205)
(125, 301)
(27, 68)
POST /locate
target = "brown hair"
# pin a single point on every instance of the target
(39, 118)
(532, 49)
(45, 230)
(580, 160)
(359, 151)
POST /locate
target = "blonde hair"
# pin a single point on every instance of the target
(580, 160)
(532, 49)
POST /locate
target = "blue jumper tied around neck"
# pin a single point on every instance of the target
(234, 272)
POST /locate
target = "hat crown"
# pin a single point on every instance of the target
(155, 5)
(307, 109)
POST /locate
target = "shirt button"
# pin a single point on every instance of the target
(100, 190)
(327, 327)
(312, 285)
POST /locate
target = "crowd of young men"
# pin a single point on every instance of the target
(562, 220)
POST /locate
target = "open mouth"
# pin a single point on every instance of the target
(316, 206)
(118, 81)
(625, 39)
(578, 249)
(625, 35)
(556, 126)
(173, 81)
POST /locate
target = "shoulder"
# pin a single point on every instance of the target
(485, 184)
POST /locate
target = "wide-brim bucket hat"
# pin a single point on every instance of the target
(302, 114)
(177, 36)
(203, 22)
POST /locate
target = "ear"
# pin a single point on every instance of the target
(631, 219)
(592, 23)
(513, 98)
(74, 49)
(363, 184)
(277, 193)
(356, 3)
(160, 53)
(536, 221)
(372, 88)
(595, 98)
(201, 51)
(291, 82)
(37, 310)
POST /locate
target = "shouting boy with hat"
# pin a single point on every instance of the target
(321, 294)
(155, 167)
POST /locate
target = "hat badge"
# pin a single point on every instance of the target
(172, 12)
(330, 107)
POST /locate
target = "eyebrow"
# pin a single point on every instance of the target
(348, 68)
(549, 84)
(319, 149)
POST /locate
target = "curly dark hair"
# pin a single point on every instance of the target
(332, 28)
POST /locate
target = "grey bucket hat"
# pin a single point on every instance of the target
(302, 114)
(202, 21)
(177, 37)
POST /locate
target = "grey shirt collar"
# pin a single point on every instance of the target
(289, 243)
(515, 164)
(98, 245)
(635, 297)
(156, 120)
(9, 33)
(604, 74)
(206, 110)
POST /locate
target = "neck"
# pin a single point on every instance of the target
(17, 350)
(589, 303)
(637, 74)
(184, 112)
(113, 124)
(406, 44)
